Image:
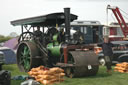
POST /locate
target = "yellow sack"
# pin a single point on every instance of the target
(35, 73)
(35, 69)
(59, 75)
(40, 72)
(39, 79)
(46, 77)
(46, 72)
(30, 72)
(57, 80)
(56, 69)
(121, 71)
(41, 67)
(45, 82)
(39, 76)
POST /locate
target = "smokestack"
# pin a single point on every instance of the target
(67, 24)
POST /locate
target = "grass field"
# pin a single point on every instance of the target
(102, 78)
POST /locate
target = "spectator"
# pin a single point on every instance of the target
(108, 53)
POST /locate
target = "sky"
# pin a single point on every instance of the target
(85, 9)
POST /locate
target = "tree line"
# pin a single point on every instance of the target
(4, 38)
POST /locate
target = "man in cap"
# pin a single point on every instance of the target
(107, 51)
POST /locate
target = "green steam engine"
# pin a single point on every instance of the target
(45, 42)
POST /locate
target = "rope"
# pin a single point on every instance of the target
(125, 16)
(124, 13)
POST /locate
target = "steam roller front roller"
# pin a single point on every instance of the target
(84, 64)
(27, 56)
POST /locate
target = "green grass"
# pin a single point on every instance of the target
(102, 78)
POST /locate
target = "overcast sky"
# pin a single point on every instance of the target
(85, 9)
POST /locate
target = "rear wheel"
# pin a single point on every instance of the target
(27, 56)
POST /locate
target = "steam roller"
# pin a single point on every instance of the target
(44, 41)
(85, 64)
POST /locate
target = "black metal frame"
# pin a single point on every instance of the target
(26, 29)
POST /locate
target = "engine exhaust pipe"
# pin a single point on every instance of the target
(67, 24)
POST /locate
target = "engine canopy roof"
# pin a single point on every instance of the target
(44, 20)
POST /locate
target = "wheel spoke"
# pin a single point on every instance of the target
(25, 57)
(21, 61)
(27, 64)
(25, 50)
(21, 58)
(22, 53)
(28, 58)
(24, 63)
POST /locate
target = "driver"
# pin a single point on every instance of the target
(38, 34)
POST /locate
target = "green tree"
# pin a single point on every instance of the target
(4, 38)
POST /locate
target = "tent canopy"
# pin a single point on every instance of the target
(12, 43)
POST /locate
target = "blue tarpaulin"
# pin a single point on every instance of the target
(10, 56)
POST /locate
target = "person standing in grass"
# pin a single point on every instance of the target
(108, 53)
